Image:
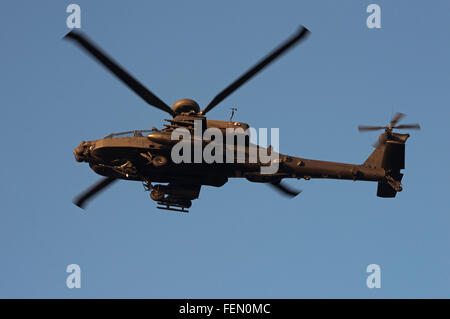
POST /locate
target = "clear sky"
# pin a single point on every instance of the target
(244, 239)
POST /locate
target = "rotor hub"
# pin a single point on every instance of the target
(185, 106)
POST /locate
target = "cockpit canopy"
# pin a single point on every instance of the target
(135, 133)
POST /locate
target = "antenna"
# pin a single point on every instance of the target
(233, 109)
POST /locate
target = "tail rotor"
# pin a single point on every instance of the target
(389, 128)
(392, 125)
(389, 154)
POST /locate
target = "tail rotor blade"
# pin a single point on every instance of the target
(397, 117)
(366, 128)
(414, 126)
(92, 191)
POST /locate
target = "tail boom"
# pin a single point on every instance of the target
(382, 166)
(307, 168)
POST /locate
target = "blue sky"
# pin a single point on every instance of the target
(241, 240)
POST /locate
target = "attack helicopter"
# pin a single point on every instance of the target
(145, 155)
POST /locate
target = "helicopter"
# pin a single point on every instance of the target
(145, 155)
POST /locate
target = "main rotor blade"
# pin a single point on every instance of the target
(414, 126)
(93, 191)
(365, 128)
(285, 190)
(397, 117)
(258, 67)
(119, 71)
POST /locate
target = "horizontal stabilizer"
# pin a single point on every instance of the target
(385, 190)
(389, 187)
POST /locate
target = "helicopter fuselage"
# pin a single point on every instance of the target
(147, 155)
(148, 158)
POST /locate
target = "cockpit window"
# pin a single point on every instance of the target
(130, 133)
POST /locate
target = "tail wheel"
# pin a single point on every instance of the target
(159, 161)
(157, 195)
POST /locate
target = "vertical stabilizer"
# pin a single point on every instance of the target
(389, 155)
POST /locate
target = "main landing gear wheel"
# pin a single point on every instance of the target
(157, 195)
(159, 161)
